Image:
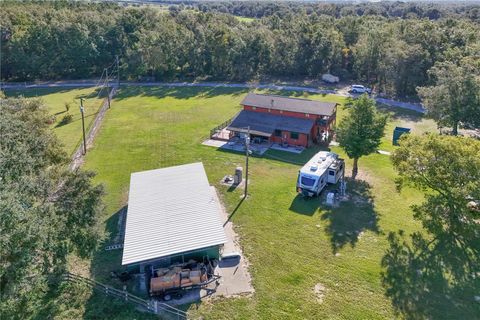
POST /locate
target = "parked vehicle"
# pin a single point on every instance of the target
(231, 256)
(173, 281)
(358, 88)
(330, 78)
(325, 167)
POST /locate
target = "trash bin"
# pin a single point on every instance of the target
(397, 133)
(237, 178)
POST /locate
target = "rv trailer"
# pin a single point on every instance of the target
(325, 167)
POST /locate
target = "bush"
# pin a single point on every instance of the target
(65, 120)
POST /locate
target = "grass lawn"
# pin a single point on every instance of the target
(55, 99)
(292, 244)
(245, 19)
(405, 118)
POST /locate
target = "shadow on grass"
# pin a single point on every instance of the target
(177, 92)
(431, 279)
(234, 211)
(400, 113)
(294, 158)
(352, 217)
(305, 205)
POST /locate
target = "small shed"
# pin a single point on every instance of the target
(397, 133)
(173, 215)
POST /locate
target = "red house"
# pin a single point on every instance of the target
(284, 120)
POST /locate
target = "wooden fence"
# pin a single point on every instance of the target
(152, 306)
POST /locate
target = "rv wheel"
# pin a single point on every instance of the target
(167, 297)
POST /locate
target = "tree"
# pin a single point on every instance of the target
(46, 211)
(359, 133)
(449, 169)
(454, 99)
(435, 275)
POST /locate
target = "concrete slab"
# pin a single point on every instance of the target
(236, 146)
(291, 149)
(235, 278)
(214, 143)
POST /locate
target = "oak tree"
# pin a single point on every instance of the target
(360, 132)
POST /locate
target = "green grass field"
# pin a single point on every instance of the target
(55, 99)
(245, 19)
(292, 244)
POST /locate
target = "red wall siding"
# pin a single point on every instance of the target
(303, 138)
(301, 141)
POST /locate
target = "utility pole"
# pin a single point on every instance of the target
(83, 127)
(118, 71)
(108, 88)
(247, 151)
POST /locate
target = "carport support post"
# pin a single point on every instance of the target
(247, 150)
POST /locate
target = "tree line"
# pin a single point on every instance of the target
(394, 9)
(47, 212)
(60, 40)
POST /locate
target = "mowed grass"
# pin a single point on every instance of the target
(292, 244)
(55, 99)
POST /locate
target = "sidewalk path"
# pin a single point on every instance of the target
(271, 86)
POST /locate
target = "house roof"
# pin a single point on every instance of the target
(289, 104)
(170, 211)
(264, 124)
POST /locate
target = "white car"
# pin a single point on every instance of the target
(357, 88)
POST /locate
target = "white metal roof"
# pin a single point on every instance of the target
(319, 163)
(170, 211)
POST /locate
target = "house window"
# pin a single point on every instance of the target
(254, 108)
(307, 115)
(294, 135)
(278, 133)
(269, 110)
(281, 111)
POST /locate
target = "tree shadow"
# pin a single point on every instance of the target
(430, 278)
(177, 92)
(400, 114)
(105, 261)
(352, 217)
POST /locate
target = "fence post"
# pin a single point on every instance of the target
(155, 306)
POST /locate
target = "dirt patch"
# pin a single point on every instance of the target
(320, 292)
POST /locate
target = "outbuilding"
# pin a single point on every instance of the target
(284, 120)
(173, 215)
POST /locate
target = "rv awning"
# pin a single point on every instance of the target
(265, 124)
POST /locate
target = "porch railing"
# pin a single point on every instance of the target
(220, 127)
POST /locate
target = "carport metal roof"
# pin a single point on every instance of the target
(170, 211)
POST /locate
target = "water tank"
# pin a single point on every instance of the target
(330, 198)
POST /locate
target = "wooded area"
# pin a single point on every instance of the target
(391, 46)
